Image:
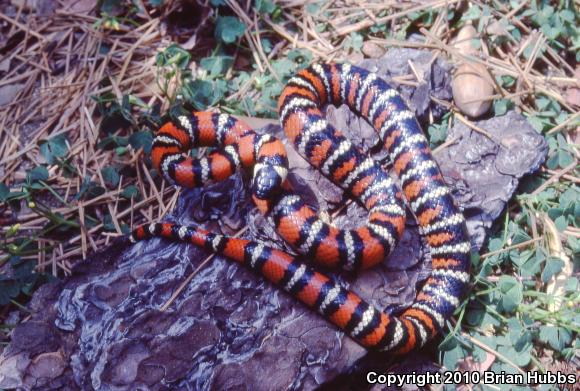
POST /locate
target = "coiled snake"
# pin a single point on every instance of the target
(300, 109)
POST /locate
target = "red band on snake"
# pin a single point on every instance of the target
(301, 116)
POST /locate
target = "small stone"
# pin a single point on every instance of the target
(11, 370)
(572, 96)
(464, 41)
(47, 366)
(41, 7)
(496, 28)
(355, 57)
(472, 88)
(9, 92)
(372, 50)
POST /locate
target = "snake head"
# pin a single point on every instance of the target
(267, 180)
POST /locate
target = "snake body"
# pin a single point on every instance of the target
(300, 109)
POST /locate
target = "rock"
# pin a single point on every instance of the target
(372, 50)
(9, 92)
(355, 57)
(435, 79)
(497, 27)
(472, 89)
(464, 41)
(572, 96)
(45, 367)
(477, 177)
(78, 6)
(472, 84)
(229, 329)
(5, 64)
(12, 369)
(41, 7)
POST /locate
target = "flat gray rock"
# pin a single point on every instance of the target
(104, 328)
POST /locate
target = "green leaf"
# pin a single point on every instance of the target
(111, 176)
(565, 158)
(217, 65)
(448, 343)
(479, 354)
(495, 244)
(473, 13)
(452, 357)
(520, 358)
(519, 258)
(512, 293)
(354, 41)
(54, 148)
(300, 56)
(553, 266)
(173, 55)
(131, 192)
(203, 94)
(112, 142)
(136, 101)
(39, 173)
(284, 67)
(561, 223)
(569, 197)
(520, 236)
(507, 81)
(533, 265)
(108, 224)
(229, 28)
(142, 139)
(557, 337)
(4, 192)
(479, 316)
(313, 8)
(265, 6)
(437, 133)
(572, 284)
(266, 45)
(560, 159)
(8, 290)
(519, 337)
(501, 106)
(89, 189)
(536, 123)
(567, 15)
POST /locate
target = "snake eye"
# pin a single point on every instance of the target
(266, 181)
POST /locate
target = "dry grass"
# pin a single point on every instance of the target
(60, 68)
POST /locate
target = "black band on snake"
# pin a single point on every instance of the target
(301, 116)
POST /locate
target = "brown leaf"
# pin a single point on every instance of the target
(572, 96)
(78, 6)
(9, 92)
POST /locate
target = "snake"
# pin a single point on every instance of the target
(420, 187)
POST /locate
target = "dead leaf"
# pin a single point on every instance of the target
(572, 96)
(9, 92)
(78, 6)
(556, 287)
(372, 50)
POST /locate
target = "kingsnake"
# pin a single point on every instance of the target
(300, 109)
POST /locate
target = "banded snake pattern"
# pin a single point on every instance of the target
(328, 150)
